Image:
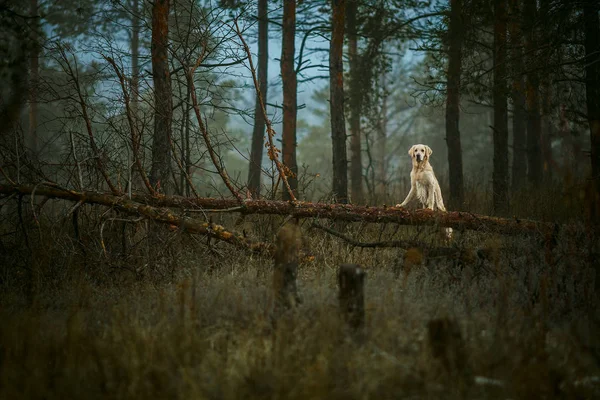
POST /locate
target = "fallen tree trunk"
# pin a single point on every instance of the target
(345, 212)
(161, 215)
(156, 208)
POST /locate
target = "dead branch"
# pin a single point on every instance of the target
(161, 215)
(273, 152)
(432, 252)
(135, 137)
(211, 151)
(405, 244)
(88, 123)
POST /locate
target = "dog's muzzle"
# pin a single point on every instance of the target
(419, 158)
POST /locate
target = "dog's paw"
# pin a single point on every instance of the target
(399, 206)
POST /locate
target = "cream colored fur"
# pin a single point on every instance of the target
(424, 185)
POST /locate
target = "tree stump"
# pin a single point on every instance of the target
(351, 279)
(285, 292)
(447, 346)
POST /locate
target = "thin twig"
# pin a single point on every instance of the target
(135, 139)
(88, 122)
(204, 131)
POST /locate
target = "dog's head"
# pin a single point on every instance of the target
(420, 153)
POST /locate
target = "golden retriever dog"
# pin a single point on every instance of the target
(424, 185)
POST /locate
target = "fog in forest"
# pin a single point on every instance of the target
(215, 199)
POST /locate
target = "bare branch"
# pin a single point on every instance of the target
(273, 152)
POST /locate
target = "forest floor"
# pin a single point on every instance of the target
(139, 311)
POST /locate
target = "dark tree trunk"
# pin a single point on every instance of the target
(258, 140)
(500, 131)
(455, 164)
(592, 91)
(356, 188)
(160, 174)
(135, 80)
(34, 71)
(534, 123)
(336, 83)
(382, 142)
(135, 57)
(547, 128)
(288, 77)
(519, 121)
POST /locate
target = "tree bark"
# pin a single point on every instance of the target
(547, 128)
(382, 142)
(519, 121)
(336, 83)
(534, 124)
(135, 58)
(154, 208)
(356, 178)
(455, 163)
(592, 91)
(258, 140)
(34, 72)
(288, 77)
(160, 174)
(500, 132)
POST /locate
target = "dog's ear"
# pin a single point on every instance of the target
(410, 151)
(428, 150)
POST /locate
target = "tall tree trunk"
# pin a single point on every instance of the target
(519, 121)
(188, 154)
(455, 164)
(500, 132)
(135, 77)
(382, 141)
(34, 71)
(547, 128)
(534, 124)
(258, 140)
(160, 174)
(288, 77)
(135, 57)
(592, 92)
(336, 102)
(356, 187)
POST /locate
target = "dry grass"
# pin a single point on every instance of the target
(171, 317)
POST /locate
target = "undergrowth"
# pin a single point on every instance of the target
(132, 310)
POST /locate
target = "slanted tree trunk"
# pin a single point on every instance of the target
(519, 121)
(288, 77)
(256, 150)
(34, 71)
(336, 83)
(534, 124)
(500, 131)
(455, 164)
(356, 187)
(592, 92)
(160, 173)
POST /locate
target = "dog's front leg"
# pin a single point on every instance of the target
(438, 199)
(409, 197)
(431, 198)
